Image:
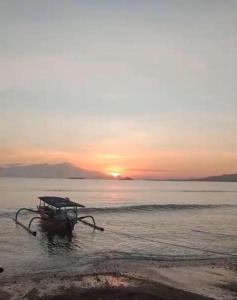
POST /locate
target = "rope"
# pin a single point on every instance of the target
(171, 243)
(215, 233)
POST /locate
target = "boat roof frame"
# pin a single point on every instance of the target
(59, 202)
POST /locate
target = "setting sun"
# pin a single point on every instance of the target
(114, 174)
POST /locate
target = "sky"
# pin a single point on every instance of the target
(138, 88)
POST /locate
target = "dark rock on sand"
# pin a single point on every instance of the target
(154, 292)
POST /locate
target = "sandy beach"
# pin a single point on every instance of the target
(213, 279)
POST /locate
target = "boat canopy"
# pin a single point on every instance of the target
(59, 202)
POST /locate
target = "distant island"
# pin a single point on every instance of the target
(217, 178)
(224, 178)
(125, 178)
(69, 171)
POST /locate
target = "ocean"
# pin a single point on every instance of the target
(143, 220)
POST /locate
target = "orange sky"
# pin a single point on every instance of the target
(140, 88)
(148, 164)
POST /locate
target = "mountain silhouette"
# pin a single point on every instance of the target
(224, 177)
(61, 170)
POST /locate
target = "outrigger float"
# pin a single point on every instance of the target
(57, 214)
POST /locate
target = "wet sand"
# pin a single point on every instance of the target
(101, 286)
(141, 280)
(145, 292)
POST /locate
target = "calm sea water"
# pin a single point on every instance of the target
(142, 220)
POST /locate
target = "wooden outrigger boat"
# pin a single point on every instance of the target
(57, 214)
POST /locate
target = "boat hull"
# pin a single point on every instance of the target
(52, 223)
(57, 226)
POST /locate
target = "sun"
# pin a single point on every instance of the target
(114, 174)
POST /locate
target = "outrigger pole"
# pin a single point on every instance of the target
(89, 224)
(22, 225)
(81, 219)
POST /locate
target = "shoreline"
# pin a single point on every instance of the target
(94, 286)
(119, 279)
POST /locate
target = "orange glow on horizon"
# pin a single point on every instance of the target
(136, 163)
(114, 174)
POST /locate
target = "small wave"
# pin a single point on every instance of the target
(134, 190)
(10, 213)
(204, 191)
(156, 207)
(7, 214)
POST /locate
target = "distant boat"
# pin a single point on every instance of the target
(76, 178)
(57, 214)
